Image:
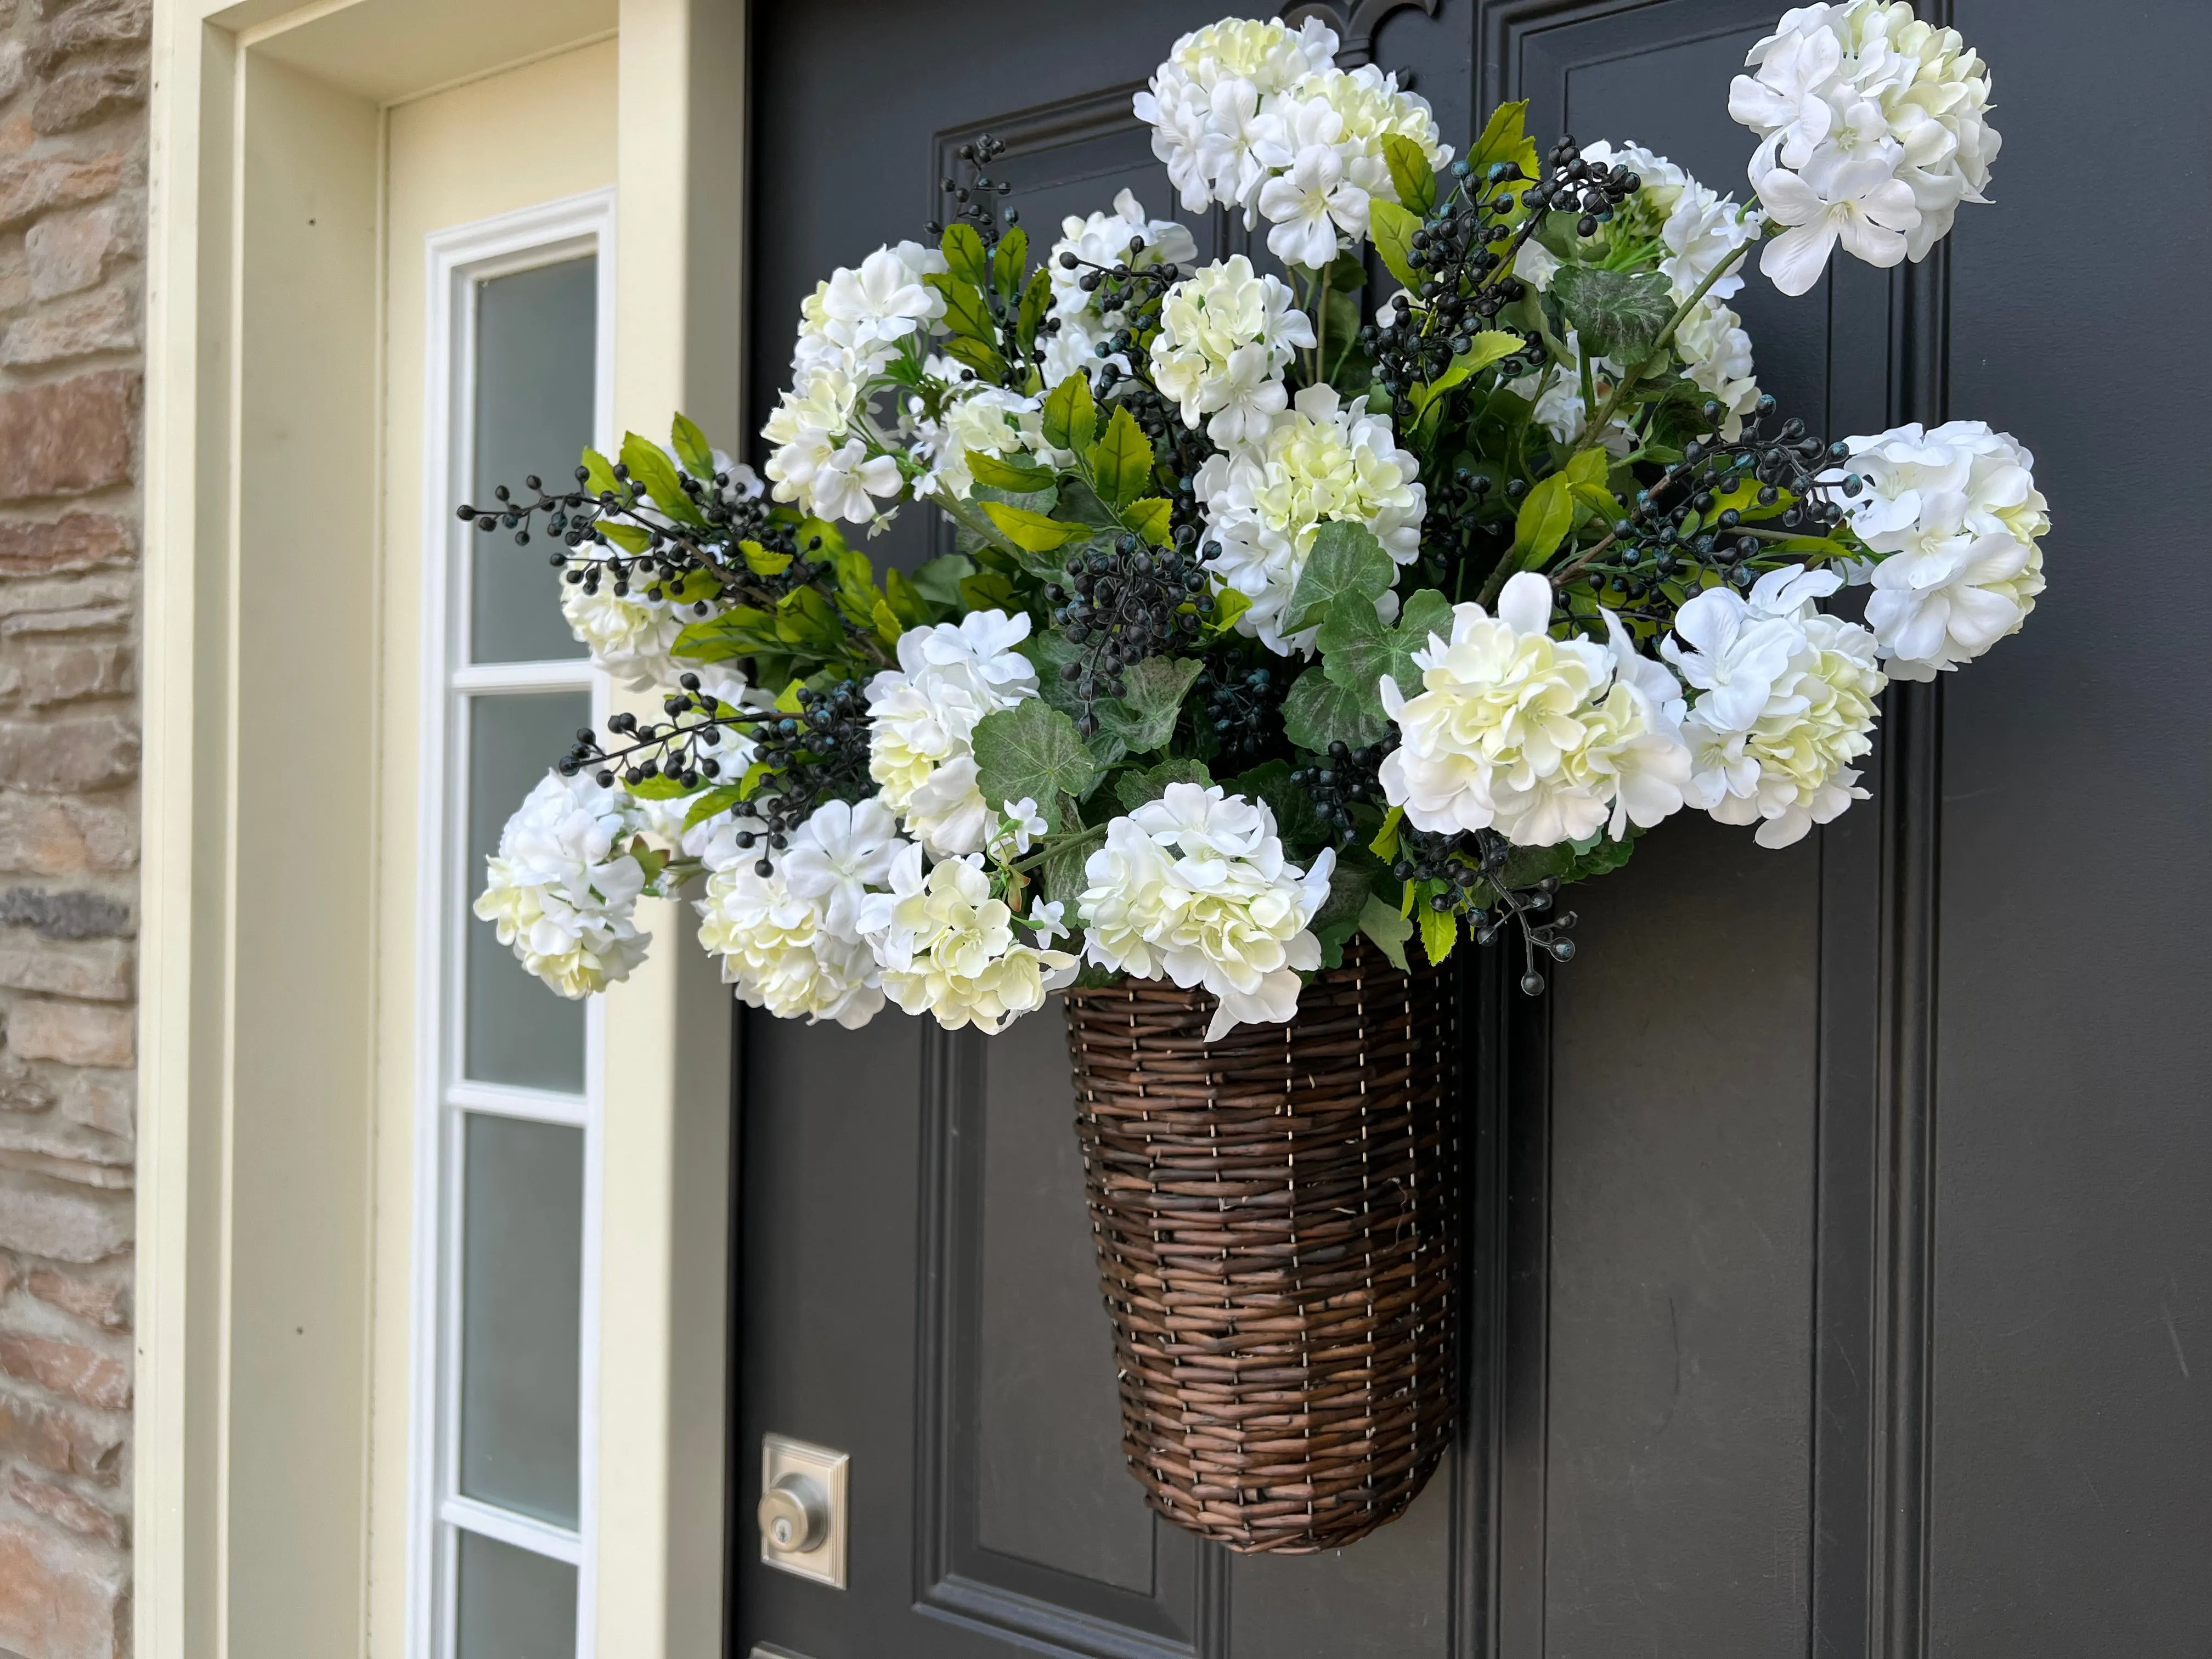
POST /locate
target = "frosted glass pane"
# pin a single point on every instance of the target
(514, 1605)
(522, 1278)
(537, 343)
(516, 1029)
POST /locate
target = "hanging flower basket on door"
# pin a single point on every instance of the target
(1277, 1220)
(1290, 630)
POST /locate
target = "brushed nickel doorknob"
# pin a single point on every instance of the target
(794, 1515)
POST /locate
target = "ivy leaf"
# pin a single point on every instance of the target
(1345, 559)
(1070, 417)
(1618, 313)
(963, 252)
(1410, 171)
(1348, 274)
(1301, 827)
(1357, 649)
(655, 473)
(1033, 532)
(692, 448)
(939, 581)
(1144, 716)
(1048, 652)
(1393, 227)
(1008, 262)
(1320, 711)
(1489, 346)
(1548, 512)
(1350, 886)
(1002, 474)
(1388, 930)
(1032, 749)
(1121, 460)
(1064, 879)
(1134, 789)
(1153, 517)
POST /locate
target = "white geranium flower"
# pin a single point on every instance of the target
(1787, 701)
(816, 464)
(1226, 335)
(923, 713)
(838, 855)
(1020, 828)
(1308, 202)
(1194, 886)
(1100, 243)
(562, 892)
(1956, 516)
(779, 952)
(1856, 199)
(1321, 461)
(1203, 103)
(946, 947)
(985, 419)
(1716, 354)
(1544, 740)
(628, 635)
(884, 299)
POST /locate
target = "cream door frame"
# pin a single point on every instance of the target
(258, 1530)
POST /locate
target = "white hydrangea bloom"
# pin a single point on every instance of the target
(881, 300)
(946, 947)
(1226, 335)
(1194, 886)
(1956, 515)
(1321, 147)
(1872, 127)
(779, 952)
(1203, 103)
(988, 419)
(1787, 699)
(562, 892)
(1544, 740)
(628, 635)
(1716, 354)
(923, 713)
(1102, 242)
(838, 855)
(1322, 461)
(819, 464)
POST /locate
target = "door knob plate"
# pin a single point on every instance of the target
(803, 1509)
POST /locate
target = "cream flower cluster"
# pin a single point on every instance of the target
(1101, 242)
(974, 418)
(790, 941)
(850, 328)
(1955, 512)
(1194, 886)
(1321, 461)
(1555, 394)
(1786, 700)
(923, 713)
(1255, 115)
(947, 947)
(1226, 335)
(1872, 127)
(1544, 740)
(561, 889)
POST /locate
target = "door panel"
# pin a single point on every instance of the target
(1713, 1407)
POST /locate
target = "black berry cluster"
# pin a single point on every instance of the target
(1475, 873)
(1243, 706)
(974, 200)
(1346, 779)
(1124, 601)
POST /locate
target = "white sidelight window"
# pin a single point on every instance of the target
(507, 1147)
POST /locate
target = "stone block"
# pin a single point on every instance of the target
(68, 252)
(66, 915)
(60, 1438)
(58, 756)
(70, 436)
(102, 1302)
(100, 23)
(61, 1597)
(75, 541)
(21, 1088)
(57, 1503)
(105, 1101)
(104, 321)
(45, 836)
(14, 65)
(96, 1379)
(73, 1033)
(98, 971)
(90, 91)
(33, 184)
(43, 676)
(43, 1217)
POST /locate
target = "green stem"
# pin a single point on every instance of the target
(1659, 345)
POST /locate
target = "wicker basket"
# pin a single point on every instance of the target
(1277, 1220)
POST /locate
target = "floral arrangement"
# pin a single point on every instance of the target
(1280, 611)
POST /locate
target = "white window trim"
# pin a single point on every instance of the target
(455, 259)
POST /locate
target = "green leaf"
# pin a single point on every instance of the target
(1439, 932)
(1414, 178)
(630, 537)
(1301, 827)
(976, 354)
(1154, 518)
(1548, 512)
(1144, 716)
(1618, 313)
(1380, 920)
(1008, 262)
(989, 590)
(1504, 138)
(939, 581)
(1002, 474)
(1345, 559)
(762, 561)
(1320, 711)
(1032, 532)
(602, 478)
(1121, 460)
(1356, 648)
(1489, 346)
(1350, 887)
(1036, 299)
(1385, 844)
(1048, 652)
(1228, 606)
(1348, 274)
(655, 473)
(1064, 879)
(965, 312)
(713, 801)
(963, 252)
(1070, 418)
(905, 600)
(1393, 228)
(1134, 789)
(692, 448)
(1032, 749)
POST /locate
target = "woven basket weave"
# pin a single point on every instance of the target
(1276, 1216)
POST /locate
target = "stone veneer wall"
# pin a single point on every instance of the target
(73, 81)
